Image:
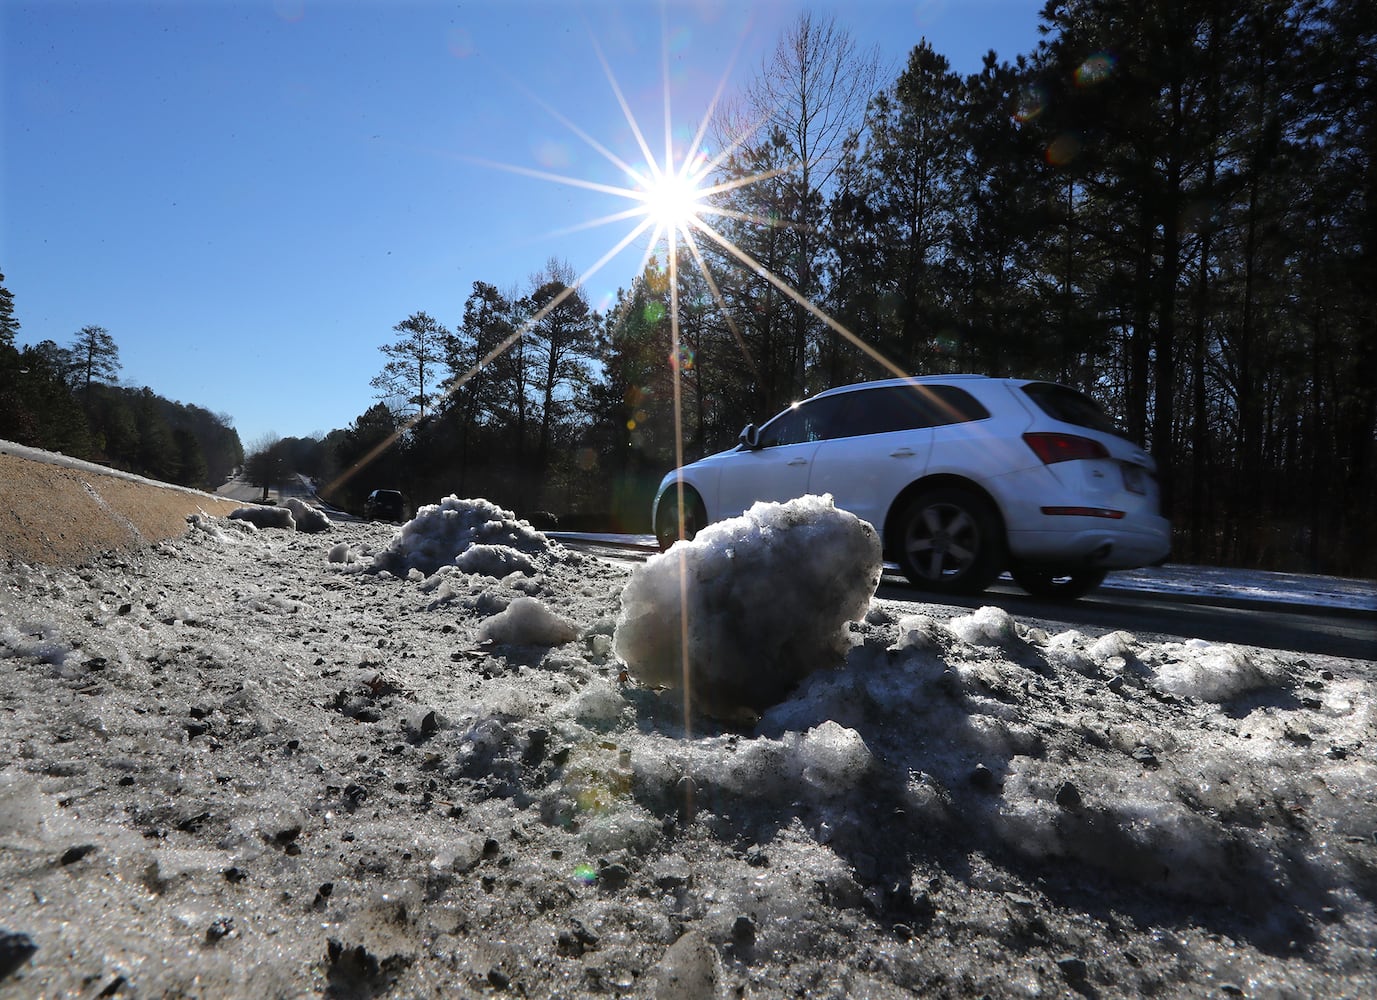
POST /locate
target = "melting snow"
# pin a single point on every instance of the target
(458, 758)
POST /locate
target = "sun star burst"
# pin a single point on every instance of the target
(673, 200)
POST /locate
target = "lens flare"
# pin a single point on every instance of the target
(1063, 149)
(1032, 101)
(1095, 70)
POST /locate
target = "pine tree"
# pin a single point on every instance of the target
(413, 368)
(9, 324)
(95, 357)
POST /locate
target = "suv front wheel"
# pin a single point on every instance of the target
(950, 541)
(667, 517)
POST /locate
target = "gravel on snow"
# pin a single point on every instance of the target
(247, 763)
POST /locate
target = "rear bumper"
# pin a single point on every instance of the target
(1094, 542)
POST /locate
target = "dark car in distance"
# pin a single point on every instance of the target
(385, 505)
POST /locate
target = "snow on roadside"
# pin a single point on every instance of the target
(374, 761)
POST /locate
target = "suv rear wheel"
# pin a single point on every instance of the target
(950, 541)
(667, 517)
(1057, 586)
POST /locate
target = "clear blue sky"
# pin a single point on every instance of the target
(250, 194)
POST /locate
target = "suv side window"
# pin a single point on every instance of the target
(1070, 406)
(955, 406)
(911, 407)
(893, 408)
(811, 420)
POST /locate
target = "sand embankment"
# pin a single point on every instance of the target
(57, 511)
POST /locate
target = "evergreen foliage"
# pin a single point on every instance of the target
(58, 399)
(1171, 204)
(1167, 204)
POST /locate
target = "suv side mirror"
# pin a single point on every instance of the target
(750, 437)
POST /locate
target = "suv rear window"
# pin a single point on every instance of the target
(1071, 407)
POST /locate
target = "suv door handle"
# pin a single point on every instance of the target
(901, 453)
(797, 461)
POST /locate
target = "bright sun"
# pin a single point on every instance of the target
(672, 201)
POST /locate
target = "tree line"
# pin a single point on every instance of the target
(65, 399)
(1169, 203)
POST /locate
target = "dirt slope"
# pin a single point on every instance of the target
(58, 516)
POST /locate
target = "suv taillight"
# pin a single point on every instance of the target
(1053, 448)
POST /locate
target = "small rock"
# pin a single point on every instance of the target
(15, 950)
(689, 970)
(743, 931)
(219, 930)
(575, 941)
(982, 777)
(1069, 796)
(613, 877)
(1074, 969)
(1144, 755)
(537, 744)
(74, 854)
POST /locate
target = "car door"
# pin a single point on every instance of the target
(882, 446)
(778, 468)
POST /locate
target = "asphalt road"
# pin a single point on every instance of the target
(1148, 615)
(241, 489)
(1160, 617)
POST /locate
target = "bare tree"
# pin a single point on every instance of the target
(810, 100)
(562, 336)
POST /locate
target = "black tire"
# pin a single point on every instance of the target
(667, 517)
(1054, 585)
(951, 541)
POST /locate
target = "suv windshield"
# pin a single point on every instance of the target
(1071, 407)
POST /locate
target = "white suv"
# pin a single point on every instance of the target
(963, 475)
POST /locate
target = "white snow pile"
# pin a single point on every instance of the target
(477, 536)
(294, 515)
(265, 517)
(752, 605)
(308, 518)
(527, 622)
(237, 764)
